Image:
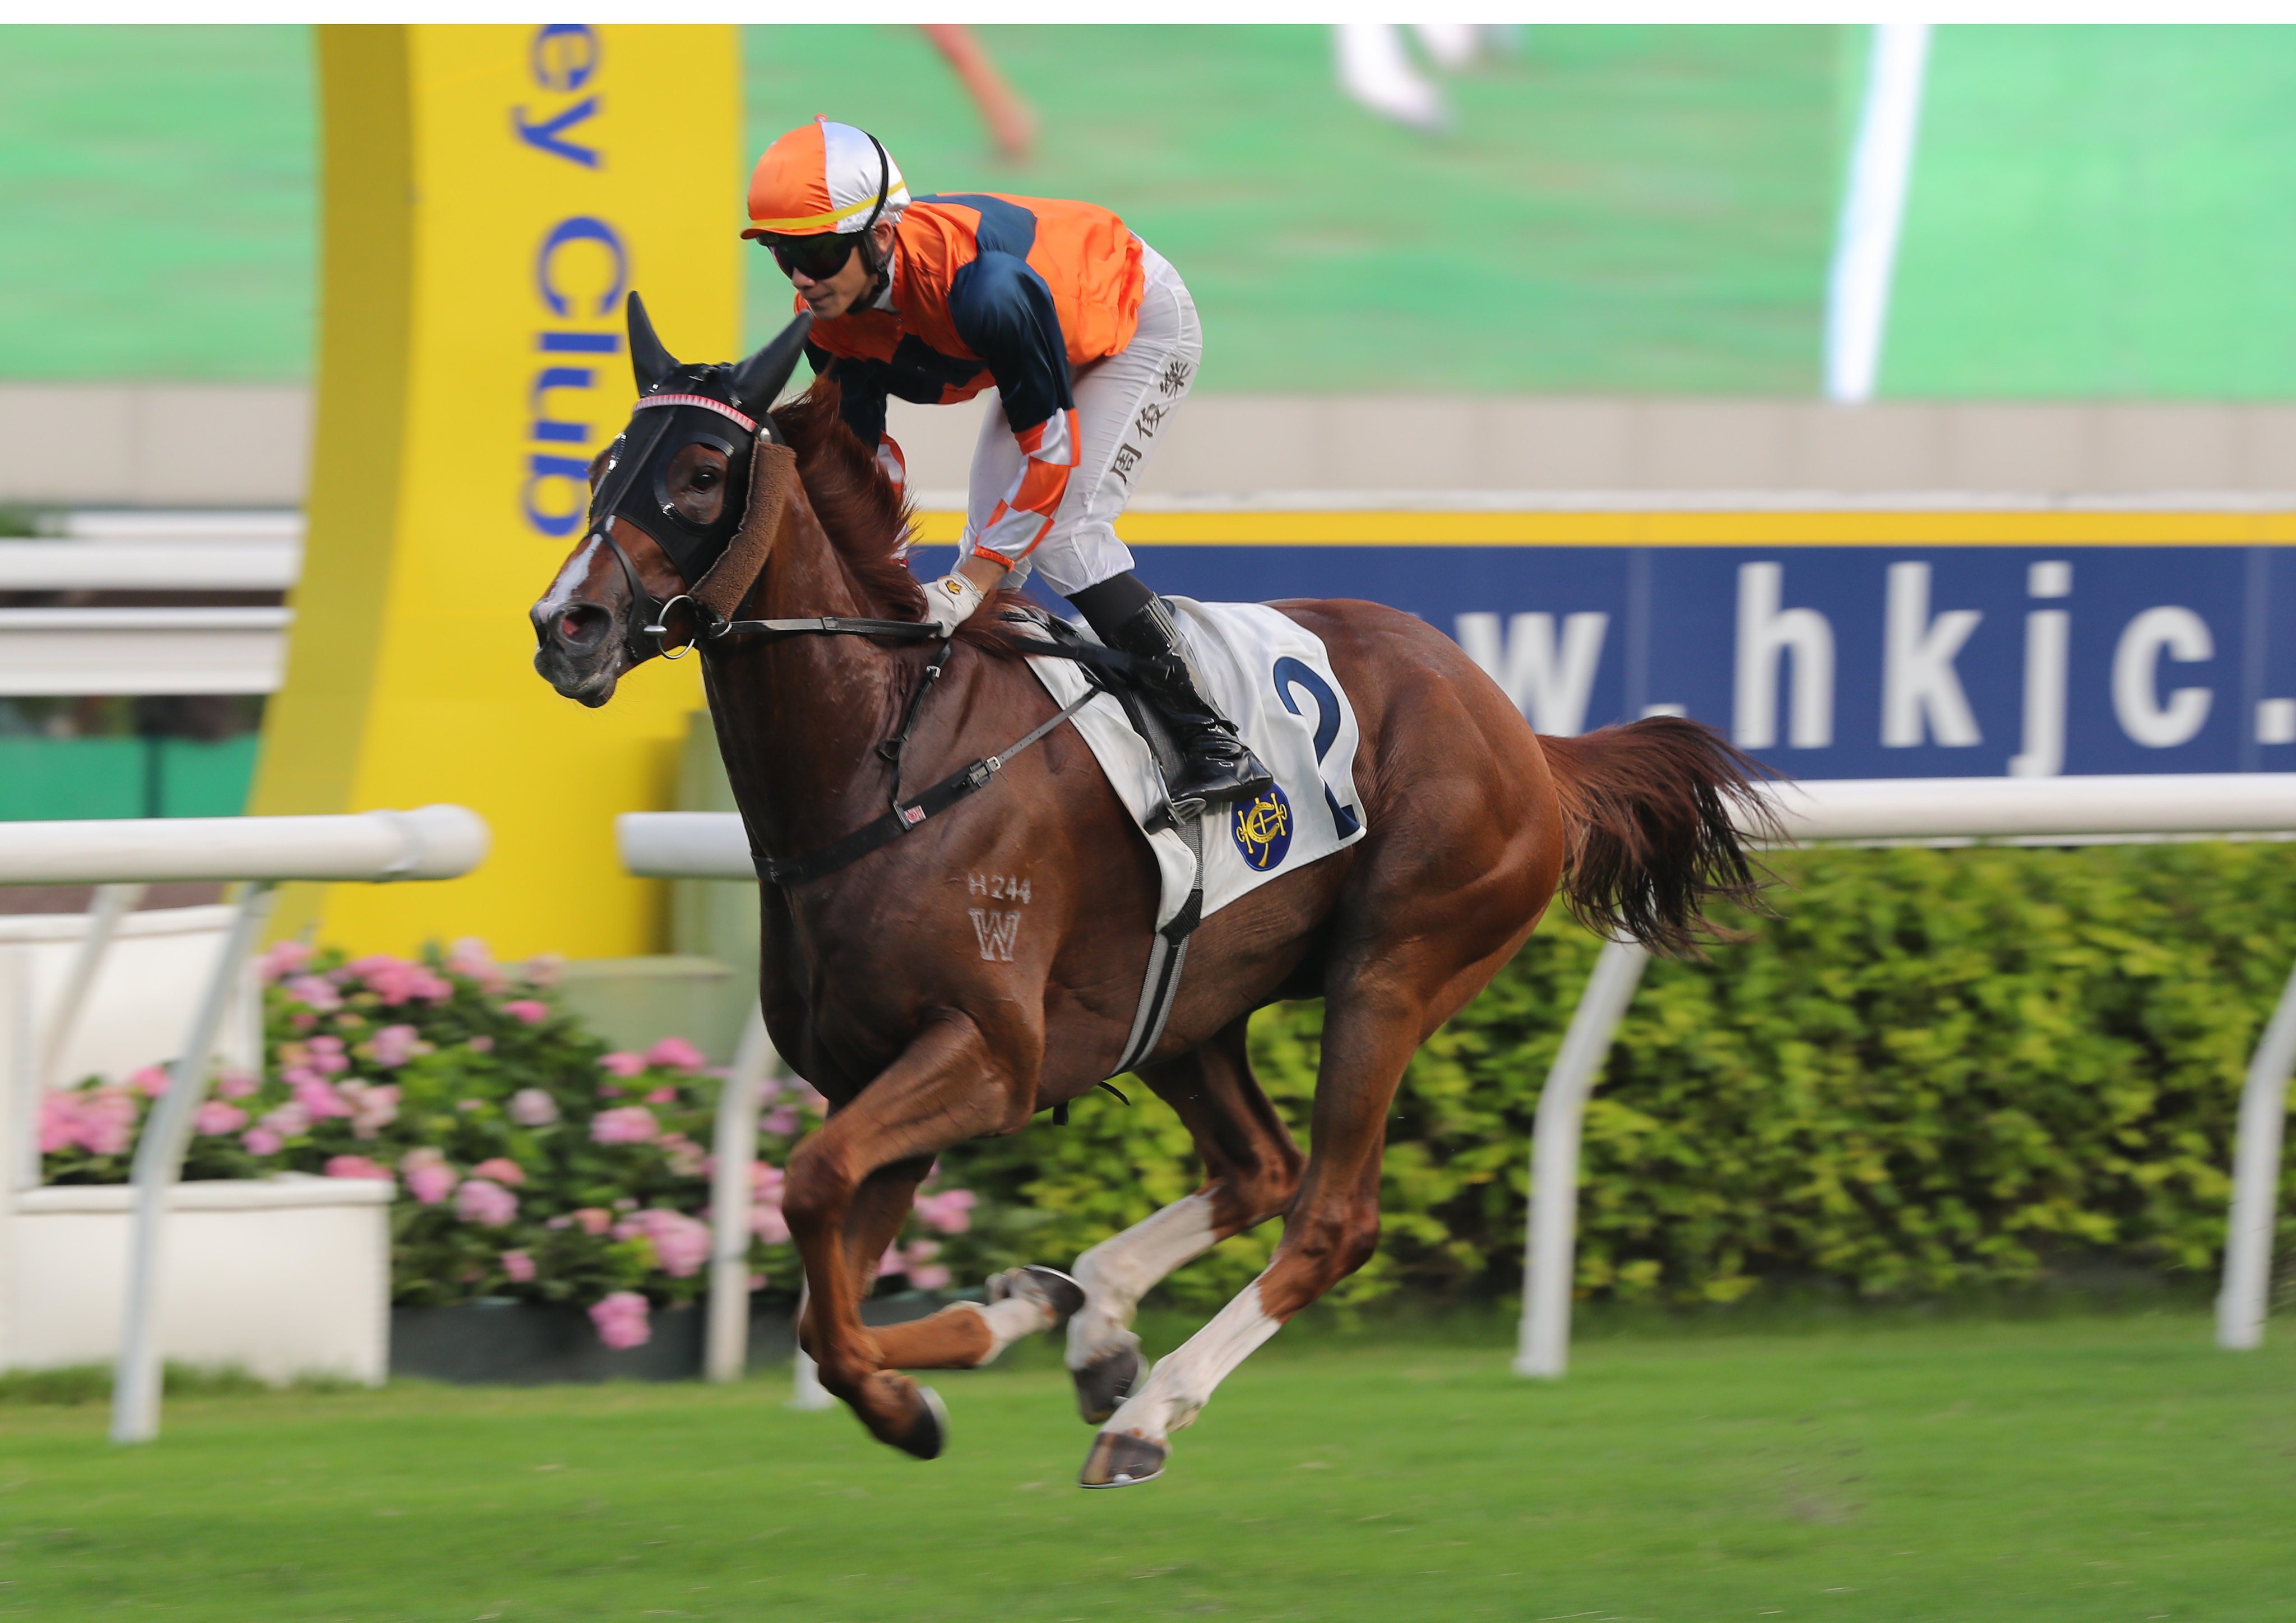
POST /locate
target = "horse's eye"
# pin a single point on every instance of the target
(703, 478)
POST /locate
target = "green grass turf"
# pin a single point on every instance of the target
(2078, 1469)
(2099, 211)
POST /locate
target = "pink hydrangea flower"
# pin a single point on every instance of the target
(429, 1178)
(356, 1166)
(316, 993)
(327, 1055)
(518, 1268)
(950, 1212)
(502, 1169)
(621, 1320)
(215, 1118)
(283, 958)
(396, 980)
(530, 1107)
(917, 1259)
(768, 1224)
(236, 1085)
(622, 1064)
(686, 1158)
(393, 1045)
(481, 1044)
(681, 1244)
(631, 1124)
(542, 969)
(289, 1119)
(261, 1141)
(594, 1219)
(675, 1054)
(373, 1106)
(781, 1120)
(662, 1096)
(100, 1121)
(469, 957)
(486, 1203)
(891, 1263)
(530, 1009)
(151, 1081)
(317, 1098)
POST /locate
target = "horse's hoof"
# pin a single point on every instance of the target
(928, 1431)
(1119, 1459)
(1055, 1292)
(1104, 1384)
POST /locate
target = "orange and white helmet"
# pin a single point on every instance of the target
(823, 179)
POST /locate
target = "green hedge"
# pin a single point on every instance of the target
(1930, 1069)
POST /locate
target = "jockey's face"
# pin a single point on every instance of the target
(831, 297)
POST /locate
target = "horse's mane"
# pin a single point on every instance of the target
(867, 519)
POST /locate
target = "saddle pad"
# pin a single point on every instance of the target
(1272, 677)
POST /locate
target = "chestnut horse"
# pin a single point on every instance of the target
(877, 987)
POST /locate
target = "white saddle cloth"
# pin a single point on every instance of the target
(1272, 677)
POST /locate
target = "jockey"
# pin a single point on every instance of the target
(1087, 335)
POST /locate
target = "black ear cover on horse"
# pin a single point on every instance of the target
(648, 359)
(758, 381)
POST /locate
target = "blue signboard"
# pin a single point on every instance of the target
(1854, 661)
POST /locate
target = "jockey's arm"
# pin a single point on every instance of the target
(861, 404)
(1004, 311)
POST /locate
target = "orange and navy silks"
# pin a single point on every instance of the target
(987, 289)
(1024, 515)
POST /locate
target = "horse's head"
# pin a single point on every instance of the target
(667, 499)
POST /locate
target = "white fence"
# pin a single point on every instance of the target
(1942, 811)
(434, 842)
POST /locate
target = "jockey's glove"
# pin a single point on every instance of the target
(950, 601)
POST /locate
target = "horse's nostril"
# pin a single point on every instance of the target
(579, 625)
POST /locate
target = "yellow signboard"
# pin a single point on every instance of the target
(490, 193)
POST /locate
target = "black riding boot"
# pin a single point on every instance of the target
(1217, 768)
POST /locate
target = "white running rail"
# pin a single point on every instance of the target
(433, 843)
(1954, 811)
(712, 845)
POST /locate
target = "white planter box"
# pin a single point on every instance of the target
(284, 1276)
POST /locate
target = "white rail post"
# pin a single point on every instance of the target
(20, 1132)
(2243, 1300)
(159, 1160)
(735, 1154)
(113, 903)
(806, 1391)
(1544, 1348)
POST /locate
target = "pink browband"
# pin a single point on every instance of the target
(703, 401)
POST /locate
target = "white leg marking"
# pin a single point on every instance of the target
(1177, 1390)
(1015, 1316)
(1121, 1269)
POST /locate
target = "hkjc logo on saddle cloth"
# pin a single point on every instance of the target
(1262, 829)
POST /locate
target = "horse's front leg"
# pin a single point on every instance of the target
(948, 1087)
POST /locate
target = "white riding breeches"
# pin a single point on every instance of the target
(1124, 404)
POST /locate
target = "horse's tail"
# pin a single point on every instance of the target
(1657, 815)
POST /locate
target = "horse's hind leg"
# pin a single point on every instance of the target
(1251, 1171)
(1374, 1019)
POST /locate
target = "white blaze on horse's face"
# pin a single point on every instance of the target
(578, 648)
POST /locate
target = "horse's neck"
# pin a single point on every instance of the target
(799, 720)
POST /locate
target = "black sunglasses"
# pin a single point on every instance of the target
(819, 258)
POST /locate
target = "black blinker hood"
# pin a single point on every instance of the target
(634, 486)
